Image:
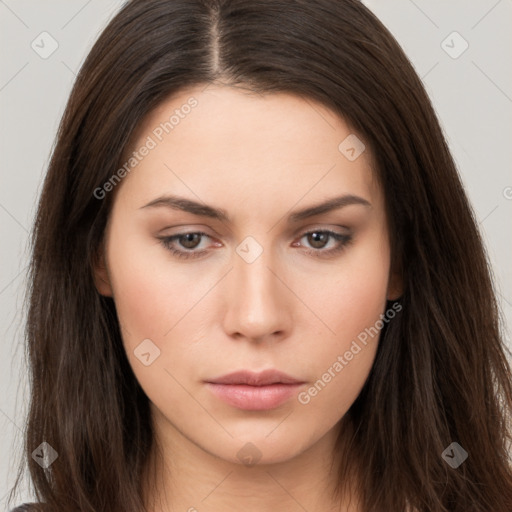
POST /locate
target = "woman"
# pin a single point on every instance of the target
(256, 281)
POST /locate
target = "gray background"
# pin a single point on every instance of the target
(472, 95)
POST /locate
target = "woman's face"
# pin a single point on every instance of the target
(220, 258)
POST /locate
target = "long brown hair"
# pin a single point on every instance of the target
(441, 374)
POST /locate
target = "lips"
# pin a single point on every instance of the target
(254, 391)
(263, 378)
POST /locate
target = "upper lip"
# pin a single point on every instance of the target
(263, 378)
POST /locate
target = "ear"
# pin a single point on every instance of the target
(395, 285)
(101, 275)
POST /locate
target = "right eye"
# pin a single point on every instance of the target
(188, 241)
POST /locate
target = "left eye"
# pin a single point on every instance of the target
(318, 240)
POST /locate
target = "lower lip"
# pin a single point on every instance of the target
(254, 398)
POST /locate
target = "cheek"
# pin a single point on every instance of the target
(150, 295)
(139, 299)
(155, 302)
(352, 296)
(351, 304)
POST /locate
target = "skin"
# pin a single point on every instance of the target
(259, 158)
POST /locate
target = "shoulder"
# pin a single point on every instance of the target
(27, 507)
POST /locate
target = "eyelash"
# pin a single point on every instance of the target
(344, 241)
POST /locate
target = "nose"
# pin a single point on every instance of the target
(258, 305)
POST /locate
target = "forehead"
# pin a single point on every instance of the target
(219, 141)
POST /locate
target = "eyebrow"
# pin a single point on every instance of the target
(204, 210)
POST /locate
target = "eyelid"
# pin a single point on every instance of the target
(320, 227)
(187, 228)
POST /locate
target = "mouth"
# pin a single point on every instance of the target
(254, 391)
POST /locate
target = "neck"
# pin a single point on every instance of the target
(184, 477)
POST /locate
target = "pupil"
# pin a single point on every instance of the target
(318, 239)
(189, 240)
